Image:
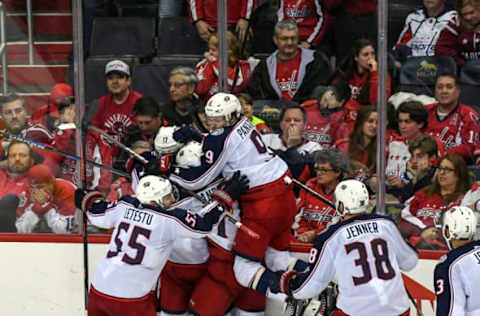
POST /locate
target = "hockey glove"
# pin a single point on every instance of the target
(231, 190)
(159, 166)
(84, 198)
(186, 134)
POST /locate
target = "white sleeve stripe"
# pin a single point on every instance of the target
(249, 9)
(452, 295)
(318, 27)
(280, 15)
(324, 247)
(193, 10)
(407, 216)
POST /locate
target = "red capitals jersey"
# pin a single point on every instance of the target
(458, 131)
(468, 46)
(208, 75)
(207, 10)
(18, 185)
(357, 83)
(100, 151)
(286, 76)
(63, 140)
(422, 211)
(316, 213)
(352, 6)
(119, 188)
(115, 118)
(311, 17)
(324, 128)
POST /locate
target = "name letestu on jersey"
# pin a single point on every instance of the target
(138, 216)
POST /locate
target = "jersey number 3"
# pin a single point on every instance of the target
(132, 243)
(383, 266)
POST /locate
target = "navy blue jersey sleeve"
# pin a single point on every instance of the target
(212, 162)
(196, 222)
(442, 288)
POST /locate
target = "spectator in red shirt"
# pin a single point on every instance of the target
(312, 19)
(457, 125)
(468, 31)
(360, 71)
(115, 112)
(14, 114)
(331, 167)
(326, 116)
(47, 115)
(52, 204)
(203, 14)
(290, 73)
(238, 70)
(417, 221)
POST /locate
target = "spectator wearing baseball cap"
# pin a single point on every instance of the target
(115, 111)
(50, 206)
(114, 115)
(47, 115)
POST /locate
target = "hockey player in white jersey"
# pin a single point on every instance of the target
(144, 232)
(457, 275)
(364, 252)
(268, 207)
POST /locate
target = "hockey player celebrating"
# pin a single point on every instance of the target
(143, 236)
(457, 275)
(268, 207)
(369, 252)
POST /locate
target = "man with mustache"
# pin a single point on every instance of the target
(14, 114)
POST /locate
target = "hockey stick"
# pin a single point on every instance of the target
(315, 194)
(419, 311)
(83, 159)
(116, 142)
(232, 219)
(62, 153)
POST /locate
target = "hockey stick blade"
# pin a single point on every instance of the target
(242, 227)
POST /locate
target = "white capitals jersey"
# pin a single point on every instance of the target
(422, 33)
(193, 250)
(274, 141)
(366, 254)
(234, 148)
(457, 279)
(141, 242)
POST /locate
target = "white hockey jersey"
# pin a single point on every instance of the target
(456, 281)
(422, 33)
(226, 150)
(365, 254)
(141, 242)
(193, 250)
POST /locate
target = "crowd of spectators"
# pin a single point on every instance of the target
(328, 119)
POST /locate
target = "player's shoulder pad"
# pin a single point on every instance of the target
(455, 253)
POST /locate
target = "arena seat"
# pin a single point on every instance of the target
(152, 79)
(122, 36)
(176, 35)
(418, 74)
(136, 7)
(469, 81)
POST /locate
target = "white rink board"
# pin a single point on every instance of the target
(47, 279)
